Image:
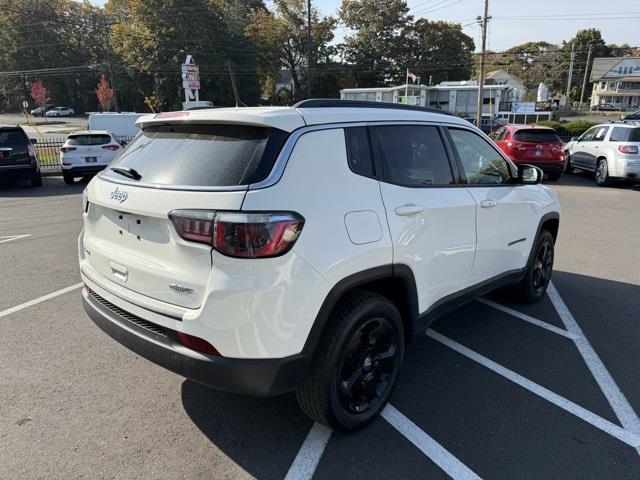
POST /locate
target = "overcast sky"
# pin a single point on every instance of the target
(519, 21)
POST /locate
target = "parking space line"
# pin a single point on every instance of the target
(11, 238)
(427, 445)
(628, 437)
(619, 403)
(44, 298)
(527, 318)
(306, 461)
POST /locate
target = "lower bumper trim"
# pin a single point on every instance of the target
(258, 377)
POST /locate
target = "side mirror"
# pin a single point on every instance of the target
(529, 175)
(33, 141)
(575, 139)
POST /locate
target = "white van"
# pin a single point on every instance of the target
(121, 124)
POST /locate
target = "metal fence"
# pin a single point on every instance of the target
(48, 151)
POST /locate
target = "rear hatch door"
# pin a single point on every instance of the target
(537, 145)
(129, 237)
(14, 149)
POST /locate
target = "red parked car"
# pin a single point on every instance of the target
(539, 146)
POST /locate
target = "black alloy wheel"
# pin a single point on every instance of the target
(367, 366)
(542, 266)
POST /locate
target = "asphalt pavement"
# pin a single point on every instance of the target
(496, 390)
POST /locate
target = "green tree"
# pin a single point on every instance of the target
(558, 74)
(436, 49)
(280, 38)
(153, 37)
(376, 42)
(62, 37)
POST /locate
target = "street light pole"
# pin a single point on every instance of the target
(573, 59)
(483, 21)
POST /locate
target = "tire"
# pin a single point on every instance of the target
(68, 178)
(356, 364)
(568, 168)
(36, 180)
(534, 284)
(554, 176)
(602, 173)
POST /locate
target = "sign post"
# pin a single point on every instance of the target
(190, 79)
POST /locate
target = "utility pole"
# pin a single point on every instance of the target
(309, 48)
(586, 71)
(111, 79)
(483, 23)
(573, 59)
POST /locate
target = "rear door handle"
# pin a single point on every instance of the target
(488, 203)
(408, 210)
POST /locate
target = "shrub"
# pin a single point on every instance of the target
(571, 129)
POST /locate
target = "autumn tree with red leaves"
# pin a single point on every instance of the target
(104, 92)
(39, 94)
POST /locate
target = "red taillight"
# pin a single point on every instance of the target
(112, 147)
(197, 344)
(237, 234)
(628, 149)
(67, 149)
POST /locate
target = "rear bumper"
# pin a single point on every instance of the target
(25, 170)
(259, 377)
(84, 169)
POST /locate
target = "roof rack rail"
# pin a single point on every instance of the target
(337, 103)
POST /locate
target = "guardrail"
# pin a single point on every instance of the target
(47, 151)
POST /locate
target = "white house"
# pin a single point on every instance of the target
(616, 82)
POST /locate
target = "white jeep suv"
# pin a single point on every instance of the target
(265, 250)
(610, 150)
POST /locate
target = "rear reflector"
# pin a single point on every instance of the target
(629, 149)
(238, 234)
(197, 344)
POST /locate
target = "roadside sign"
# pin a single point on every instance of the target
(190, 74)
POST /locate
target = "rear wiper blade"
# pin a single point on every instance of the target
(127, 172)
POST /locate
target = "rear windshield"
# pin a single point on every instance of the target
(94, 139)
(538, 136)
(621, 134)
(201, 155)
(12, 136)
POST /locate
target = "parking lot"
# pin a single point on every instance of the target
(495, 390)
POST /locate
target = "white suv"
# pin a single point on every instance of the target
(87, 152)
(265, 250)
(610, 150)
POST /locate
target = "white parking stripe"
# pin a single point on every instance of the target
(11, 238)
(427, 445)
(623, 410)
(306, 461)
(527, 318)
(626, 436)
(44, 298)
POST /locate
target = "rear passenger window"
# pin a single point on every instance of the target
(622, 134)
(359, 151)
(412, 155)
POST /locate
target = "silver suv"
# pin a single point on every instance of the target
(610, 150)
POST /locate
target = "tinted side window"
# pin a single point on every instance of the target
(359, 151)
(481, 163)
(412, 155)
